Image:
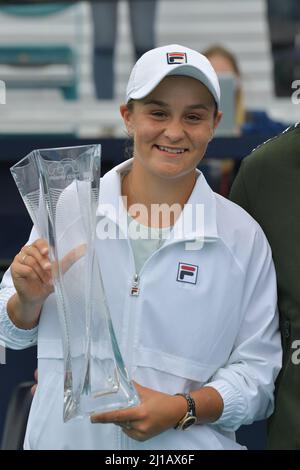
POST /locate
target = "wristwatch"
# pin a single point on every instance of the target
(190, 417)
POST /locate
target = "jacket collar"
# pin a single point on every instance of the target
(197, 221)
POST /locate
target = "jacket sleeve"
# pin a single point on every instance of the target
(246, 382)
(245, 188)
(10, 335)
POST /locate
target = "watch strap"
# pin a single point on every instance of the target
(191, 411)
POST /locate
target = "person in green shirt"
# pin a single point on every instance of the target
(268, 188)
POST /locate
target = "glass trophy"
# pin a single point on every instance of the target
(60, 188)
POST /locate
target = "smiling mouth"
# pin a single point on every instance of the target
(172, 150)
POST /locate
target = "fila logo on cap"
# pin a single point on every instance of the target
(187, 273)
(176, 58)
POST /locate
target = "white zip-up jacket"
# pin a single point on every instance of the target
(217, 326)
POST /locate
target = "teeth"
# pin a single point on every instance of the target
(167, 149)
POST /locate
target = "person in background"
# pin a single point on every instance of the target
(247, 122)
(284, 32)
(193, 302)
(267, 187)
(104, 18)
(224, 61)
(221, 173)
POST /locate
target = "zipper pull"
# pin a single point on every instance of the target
(135, 290)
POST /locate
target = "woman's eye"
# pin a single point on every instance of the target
(158, 114)
(193, 117)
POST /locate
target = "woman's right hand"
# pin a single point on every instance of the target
(32, 278)
(31, 273)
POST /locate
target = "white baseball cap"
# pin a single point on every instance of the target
(173, 59)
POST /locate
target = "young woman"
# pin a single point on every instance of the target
(199, 332)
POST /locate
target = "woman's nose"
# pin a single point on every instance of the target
(174, 131)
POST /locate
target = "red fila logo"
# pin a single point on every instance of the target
(135, 291)
(187, 273)
(176, 58)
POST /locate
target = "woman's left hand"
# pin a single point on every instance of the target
(157, 412)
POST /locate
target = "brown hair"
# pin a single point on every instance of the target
(223, 52)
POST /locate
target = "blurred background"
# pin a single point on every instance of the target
(64, 69)
(50, 54)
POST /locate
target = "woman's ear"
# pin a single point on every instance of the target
(127, 118)
(217, 119)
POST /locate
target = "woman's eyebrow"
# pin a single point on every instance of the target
(156, 102)
(166, 105)
(198, 106)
